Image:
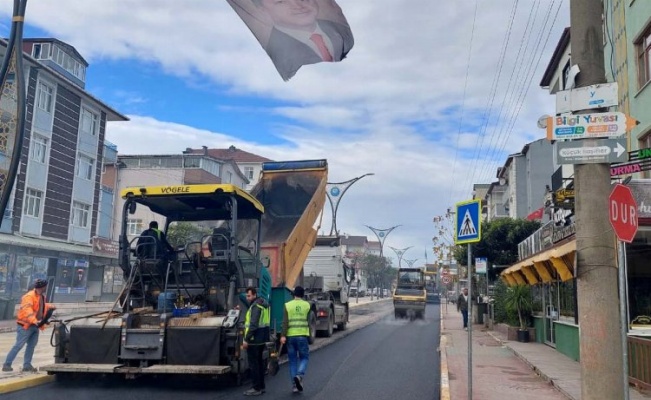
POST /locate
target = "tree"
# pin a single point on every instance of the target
(499, 242)
(180, 233)
(443, 239)
(378, 270)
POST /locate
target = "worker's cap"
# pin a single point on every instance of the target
(299, 291)
(40, 283)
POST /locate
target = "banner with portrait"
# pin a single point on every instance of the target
(297, 32)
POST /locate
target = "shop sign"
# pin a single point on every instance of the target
(105, 246)
(564, 232)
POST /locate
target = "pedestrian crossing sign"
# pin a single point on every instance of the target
(468, 223)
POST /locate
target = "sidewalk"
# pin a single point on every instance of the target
(507, 369)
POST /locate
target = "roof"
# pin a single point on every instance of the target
(60, 43)
(111, 113)
(354, 240)
(231, 153)
(556, 58)
(195, 202)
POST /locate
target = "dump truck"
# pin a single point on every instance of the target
(183, 312)
(409, 296)
(327, 278)
(293, 194)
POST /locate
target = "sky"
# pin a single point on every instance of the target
(431, 99)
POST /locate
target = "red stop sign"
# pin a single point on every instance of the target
(623, 212)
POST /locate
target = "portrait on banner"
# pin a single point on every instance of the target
(297, 32)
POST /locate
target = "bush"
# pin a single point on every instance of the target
(518, 299)
(502, 313)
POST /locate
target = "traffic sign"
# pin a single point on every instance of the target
(480, 265)
(586, 98)
(592, 151)
(623, 213)
(594, 125)
(446, 279)
(468, 226)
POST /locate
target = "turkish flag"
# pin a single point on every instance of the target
(538, 214)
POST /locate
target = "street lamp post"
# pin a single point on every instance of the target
(400, 253)
(335, 191)
(381, 235)
(12, 105)
(411, 263)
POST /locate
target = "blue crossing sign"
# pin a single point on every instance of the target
(468, 223)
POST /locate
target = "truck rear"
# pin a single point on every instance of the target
(293, 194)
(326, 279)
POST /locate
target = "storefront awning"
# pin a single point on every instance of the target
(540, 267)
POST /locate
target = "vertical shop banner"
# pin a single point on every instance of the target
(79, 277)
(24, 270)
(4, 273)
(297, 33)
(63, 282)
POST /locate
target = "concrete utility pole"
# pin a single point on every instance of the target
(600, 344)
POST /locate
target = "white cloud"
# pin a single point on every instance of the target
(392, 107)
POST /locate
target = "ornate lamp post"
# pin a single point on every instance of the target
(12, 105)
(411, 263)
(381, 235)
(335, 191)
(400, 253)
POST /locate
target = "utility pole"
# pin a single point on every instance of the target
(598, 304)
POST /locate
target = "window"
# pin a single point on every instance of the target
(134, 226)
(229, 177)
(32, 206)
(89, 121)
(643, 50)
(248, 172)
(36, 51)
(80, 212)
(39, 149)
(85, 167)
(44, 95)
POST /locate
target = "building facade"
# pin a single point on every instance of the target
(250, 164)
(166, 170)
(52, 216)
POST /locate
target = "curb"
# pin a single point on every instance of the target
(531, 365)
(20, 383)
(445, 377)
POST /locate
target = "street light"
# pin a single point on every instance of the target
(381, 235)
(411, 263)
(335, 191)
(12, 104)
(400, 253)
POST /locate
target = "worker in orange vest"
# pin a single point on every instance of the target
(33, 315)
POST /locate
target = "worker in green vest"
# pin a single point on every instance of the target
(296, 332)
(256, 336)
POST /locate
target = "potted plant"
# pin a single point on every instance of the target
(518, 298)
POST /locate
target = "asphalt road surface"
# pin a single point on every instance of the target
(390, 359)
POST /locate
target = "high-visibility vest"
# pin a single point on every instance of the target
(265, 318)
(297, 312)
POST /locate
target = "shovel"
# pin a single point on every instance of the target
(273, 361)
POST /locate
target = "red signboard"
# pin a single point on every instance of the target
(623, 213)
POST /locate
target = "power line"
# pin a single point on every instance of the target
(463, 100)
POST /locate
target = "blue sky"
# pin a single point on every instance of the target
(192, 74)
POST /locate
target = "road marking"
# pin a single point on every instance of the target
(445, 378)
